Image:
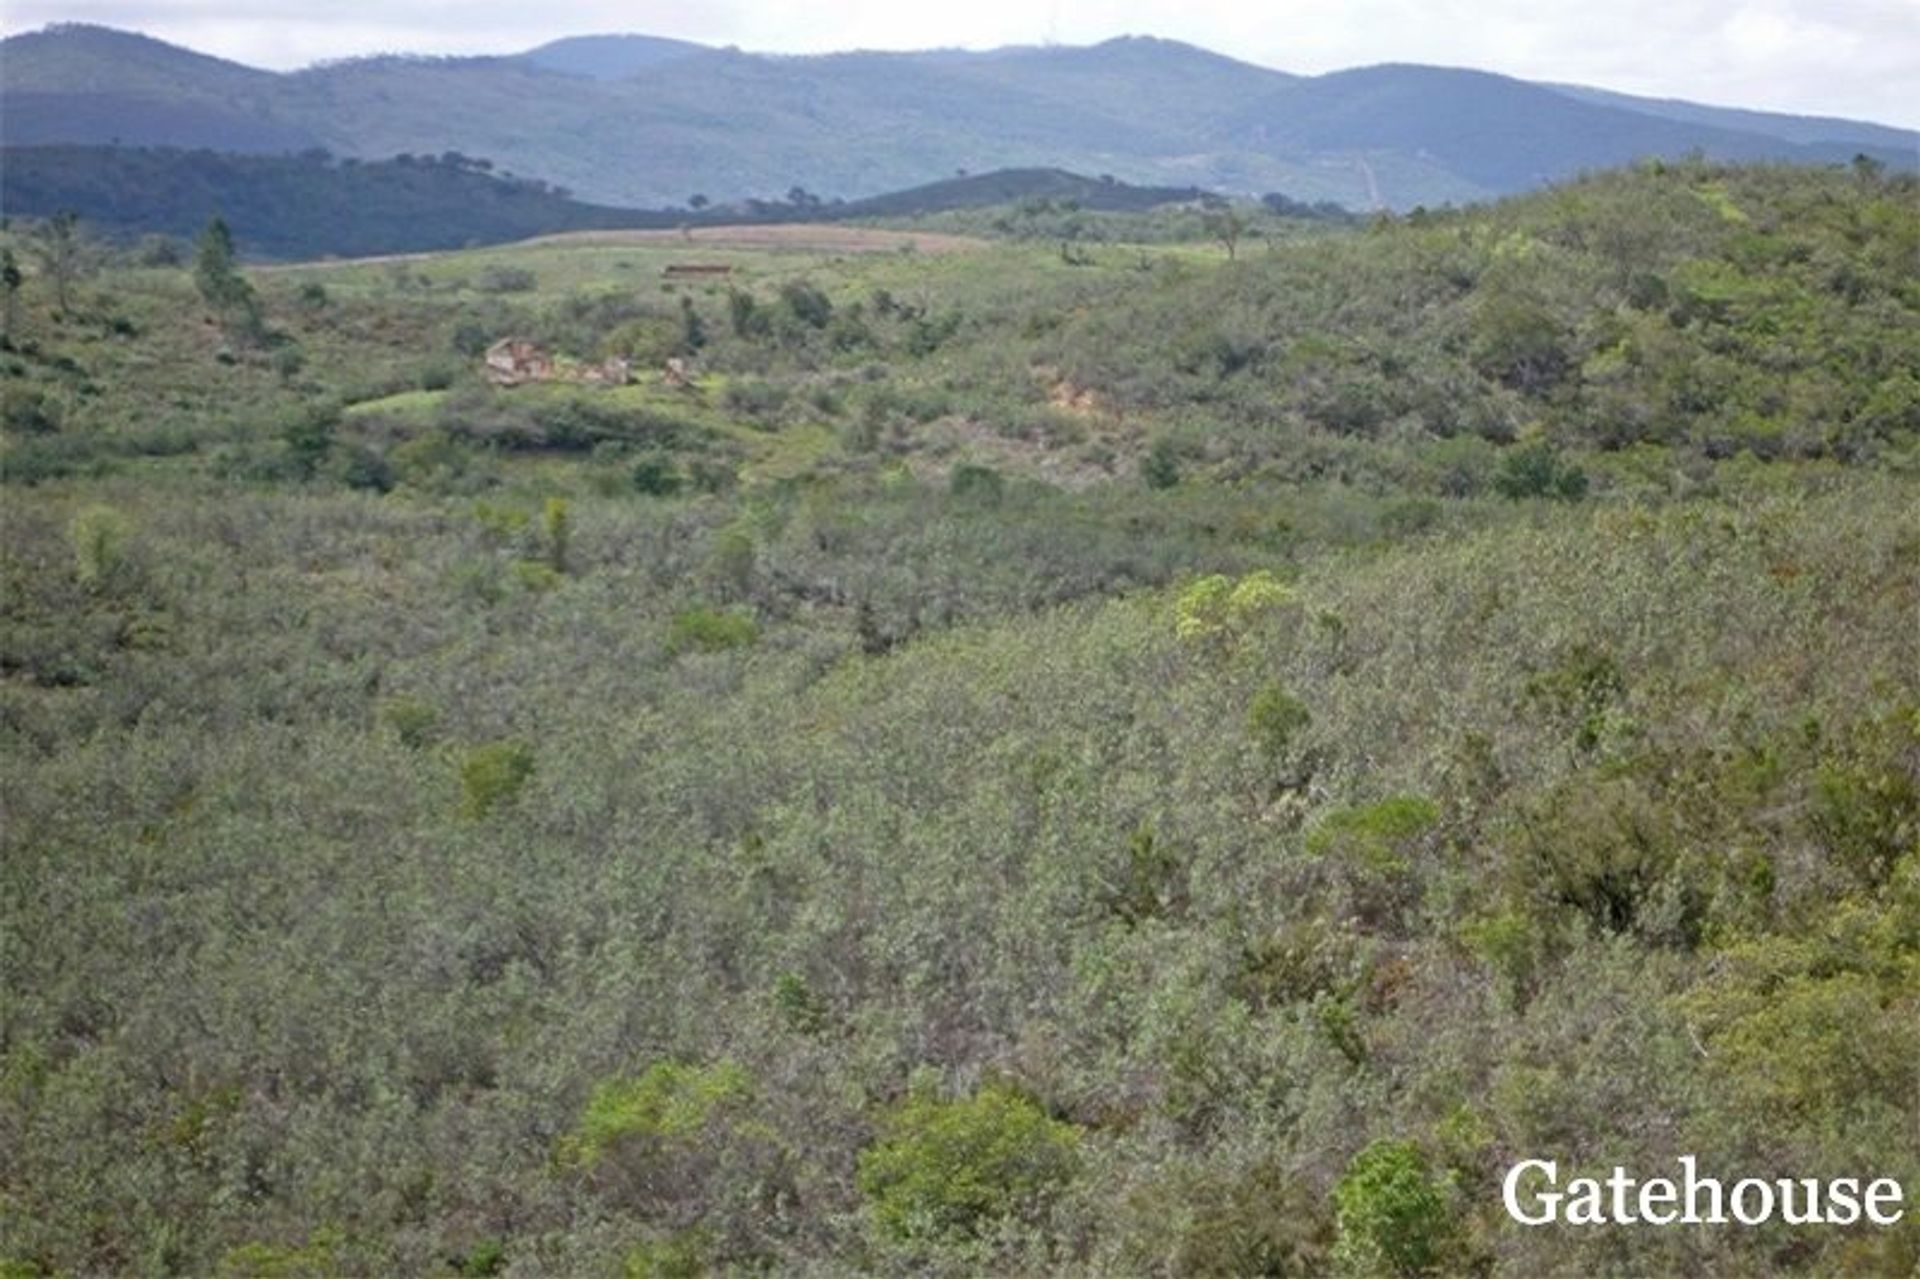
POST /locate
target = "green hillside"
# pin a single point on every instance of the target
(1130, 762)
(289, 206)
(314, 205)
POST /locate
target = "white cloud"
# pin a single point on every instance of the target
(1837, 57)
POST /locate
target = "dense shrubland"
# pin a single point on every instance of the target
(867, 813)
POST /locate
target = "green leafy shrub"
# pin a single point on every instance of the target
(806, 303)
(413, 721)
(1866, 796)
(1275, 718)
(1161, 466)
(429, 460)
(487, 1257)
(557, 524)
(710, 630)
(494, 774)
(1392, 1214)
(949, 1170)
(99, 536)
(976, 483)
(1580, 691)
(798, 1005)
(682, 1255)
(1259, 1222)
(1151, 883)
(308, 432)
(668, 1101)
(1607, 848)
(317, 1259)
(1375, 835)
(655, 475)
(26, 410)
(756, 400)
(1536, 470)
(729, 564)
(1216, 610)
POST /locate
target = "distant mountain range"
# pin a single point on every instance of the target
(642, 121)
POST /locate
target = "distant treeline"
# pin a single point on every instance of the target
(309, 204)
(313, 204)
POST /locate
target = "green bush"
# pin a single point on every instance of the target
(1217, 611)
(1536, 470)
(677, 1256)
(710, 630)
(1260, 1222)
(1275, 718)
(318, 1259)
(556, 523)
(1161, 466)
(99, 536)
(1376, 835)
(1392, 1214)
(976, 483)
(656, 476)
(413, 721)
(26, 410)
(668, 1101)
(494, 774)
(950, 1170)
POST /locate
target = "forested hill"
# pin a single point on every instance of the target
(314, 205)
(291, 206)
(635, 120)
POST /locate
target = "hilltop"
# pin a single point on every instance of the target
(639, 121)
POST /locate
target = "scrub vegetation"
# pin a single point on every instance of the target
(1137, 760)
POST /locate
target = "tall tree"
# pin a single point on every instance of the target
(216, 272)
(10, 279)
(65, 255)
(1227, 225)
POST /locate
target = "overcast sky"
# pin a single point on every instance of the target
(1857, 58)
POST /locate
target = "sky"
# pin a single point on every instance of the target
(1856, 58)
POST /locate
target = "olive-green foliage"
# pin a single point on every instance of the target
(99, 537)
(494, 774)
(1161, 466)
(1535, 471)
(413, 721)
(668, 1101)
(1375, 834)
(978, 483)
(1257, 1222)
(677, 1256)
(656, 476)
(316, 1259)
(557, 526)
(1275, 718)
(710, 630)
(1392, 1213)
(951, 1169)
(1216, 610)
